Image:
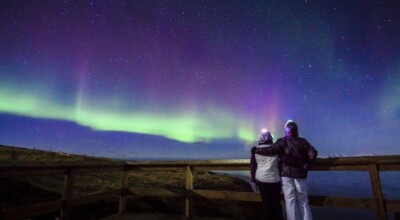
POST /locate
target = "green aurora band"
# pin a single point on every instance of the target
(184, 126)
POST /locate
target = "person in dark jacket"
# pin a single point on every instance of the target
(294, 184)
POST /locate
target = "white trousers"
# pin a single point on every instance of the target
(296, 199)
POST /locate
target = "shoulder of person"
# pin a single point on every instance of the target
(298, 139)
(301, 138)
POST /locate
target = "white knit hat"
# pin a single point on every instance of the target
(265, 135)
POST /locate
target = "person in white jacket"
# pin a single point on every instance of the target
(265, 173)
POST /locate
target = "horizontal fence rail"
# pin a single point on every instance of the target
(373, 165)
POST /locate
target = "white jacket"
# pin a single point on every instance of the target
(267, 168)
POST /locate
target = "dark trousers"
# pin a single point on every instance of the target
(271, 200)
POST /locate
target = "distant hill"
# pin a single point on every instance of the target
(11, 153)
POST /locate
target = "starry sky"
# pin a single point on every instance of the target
(199, 79)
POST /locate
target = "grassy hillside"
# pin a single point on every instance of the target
(11, 154)
(31, 189)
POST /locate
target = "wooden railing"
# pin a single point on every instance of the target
(369, 164)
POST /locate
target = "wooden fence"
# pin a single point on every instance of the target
(369, 164)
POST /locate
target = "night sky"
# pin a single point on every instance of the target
(199, 79)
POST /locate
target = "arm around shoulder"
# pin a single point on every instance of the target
(272, 150)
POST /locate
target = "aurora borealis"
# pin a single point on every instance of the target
(198, 79)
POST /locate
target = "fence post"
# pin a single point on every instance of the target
(68, 184)
(377, 190)
(189, 188)
(124, 192)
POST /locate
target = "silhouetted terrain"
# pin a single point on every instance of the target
(34, 189)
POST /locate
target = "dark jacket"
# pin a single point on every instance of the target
(296, 148)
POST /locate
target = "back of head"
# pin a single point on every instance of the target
(291, 129)
(265, 137)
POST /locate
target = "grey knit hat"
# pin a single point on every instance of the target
(265, 136)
